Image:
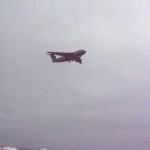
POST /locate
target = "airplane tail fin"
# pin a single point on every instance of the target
(53, 57)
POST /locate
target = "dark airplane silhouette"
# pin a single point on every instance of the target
(67, 56)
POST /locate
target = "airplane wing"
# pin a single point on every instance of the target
(64, 54)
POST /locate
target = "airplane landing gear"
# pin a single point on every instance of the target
(80, 61)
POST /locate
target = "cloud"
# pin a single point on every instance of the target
(9, 148)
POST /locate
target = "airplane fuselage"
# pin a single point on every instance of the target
(75, 56)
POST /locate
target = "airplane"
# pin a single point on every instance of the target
(67, 56)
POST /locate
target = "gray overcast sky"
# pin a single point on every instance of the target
(103, 103)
